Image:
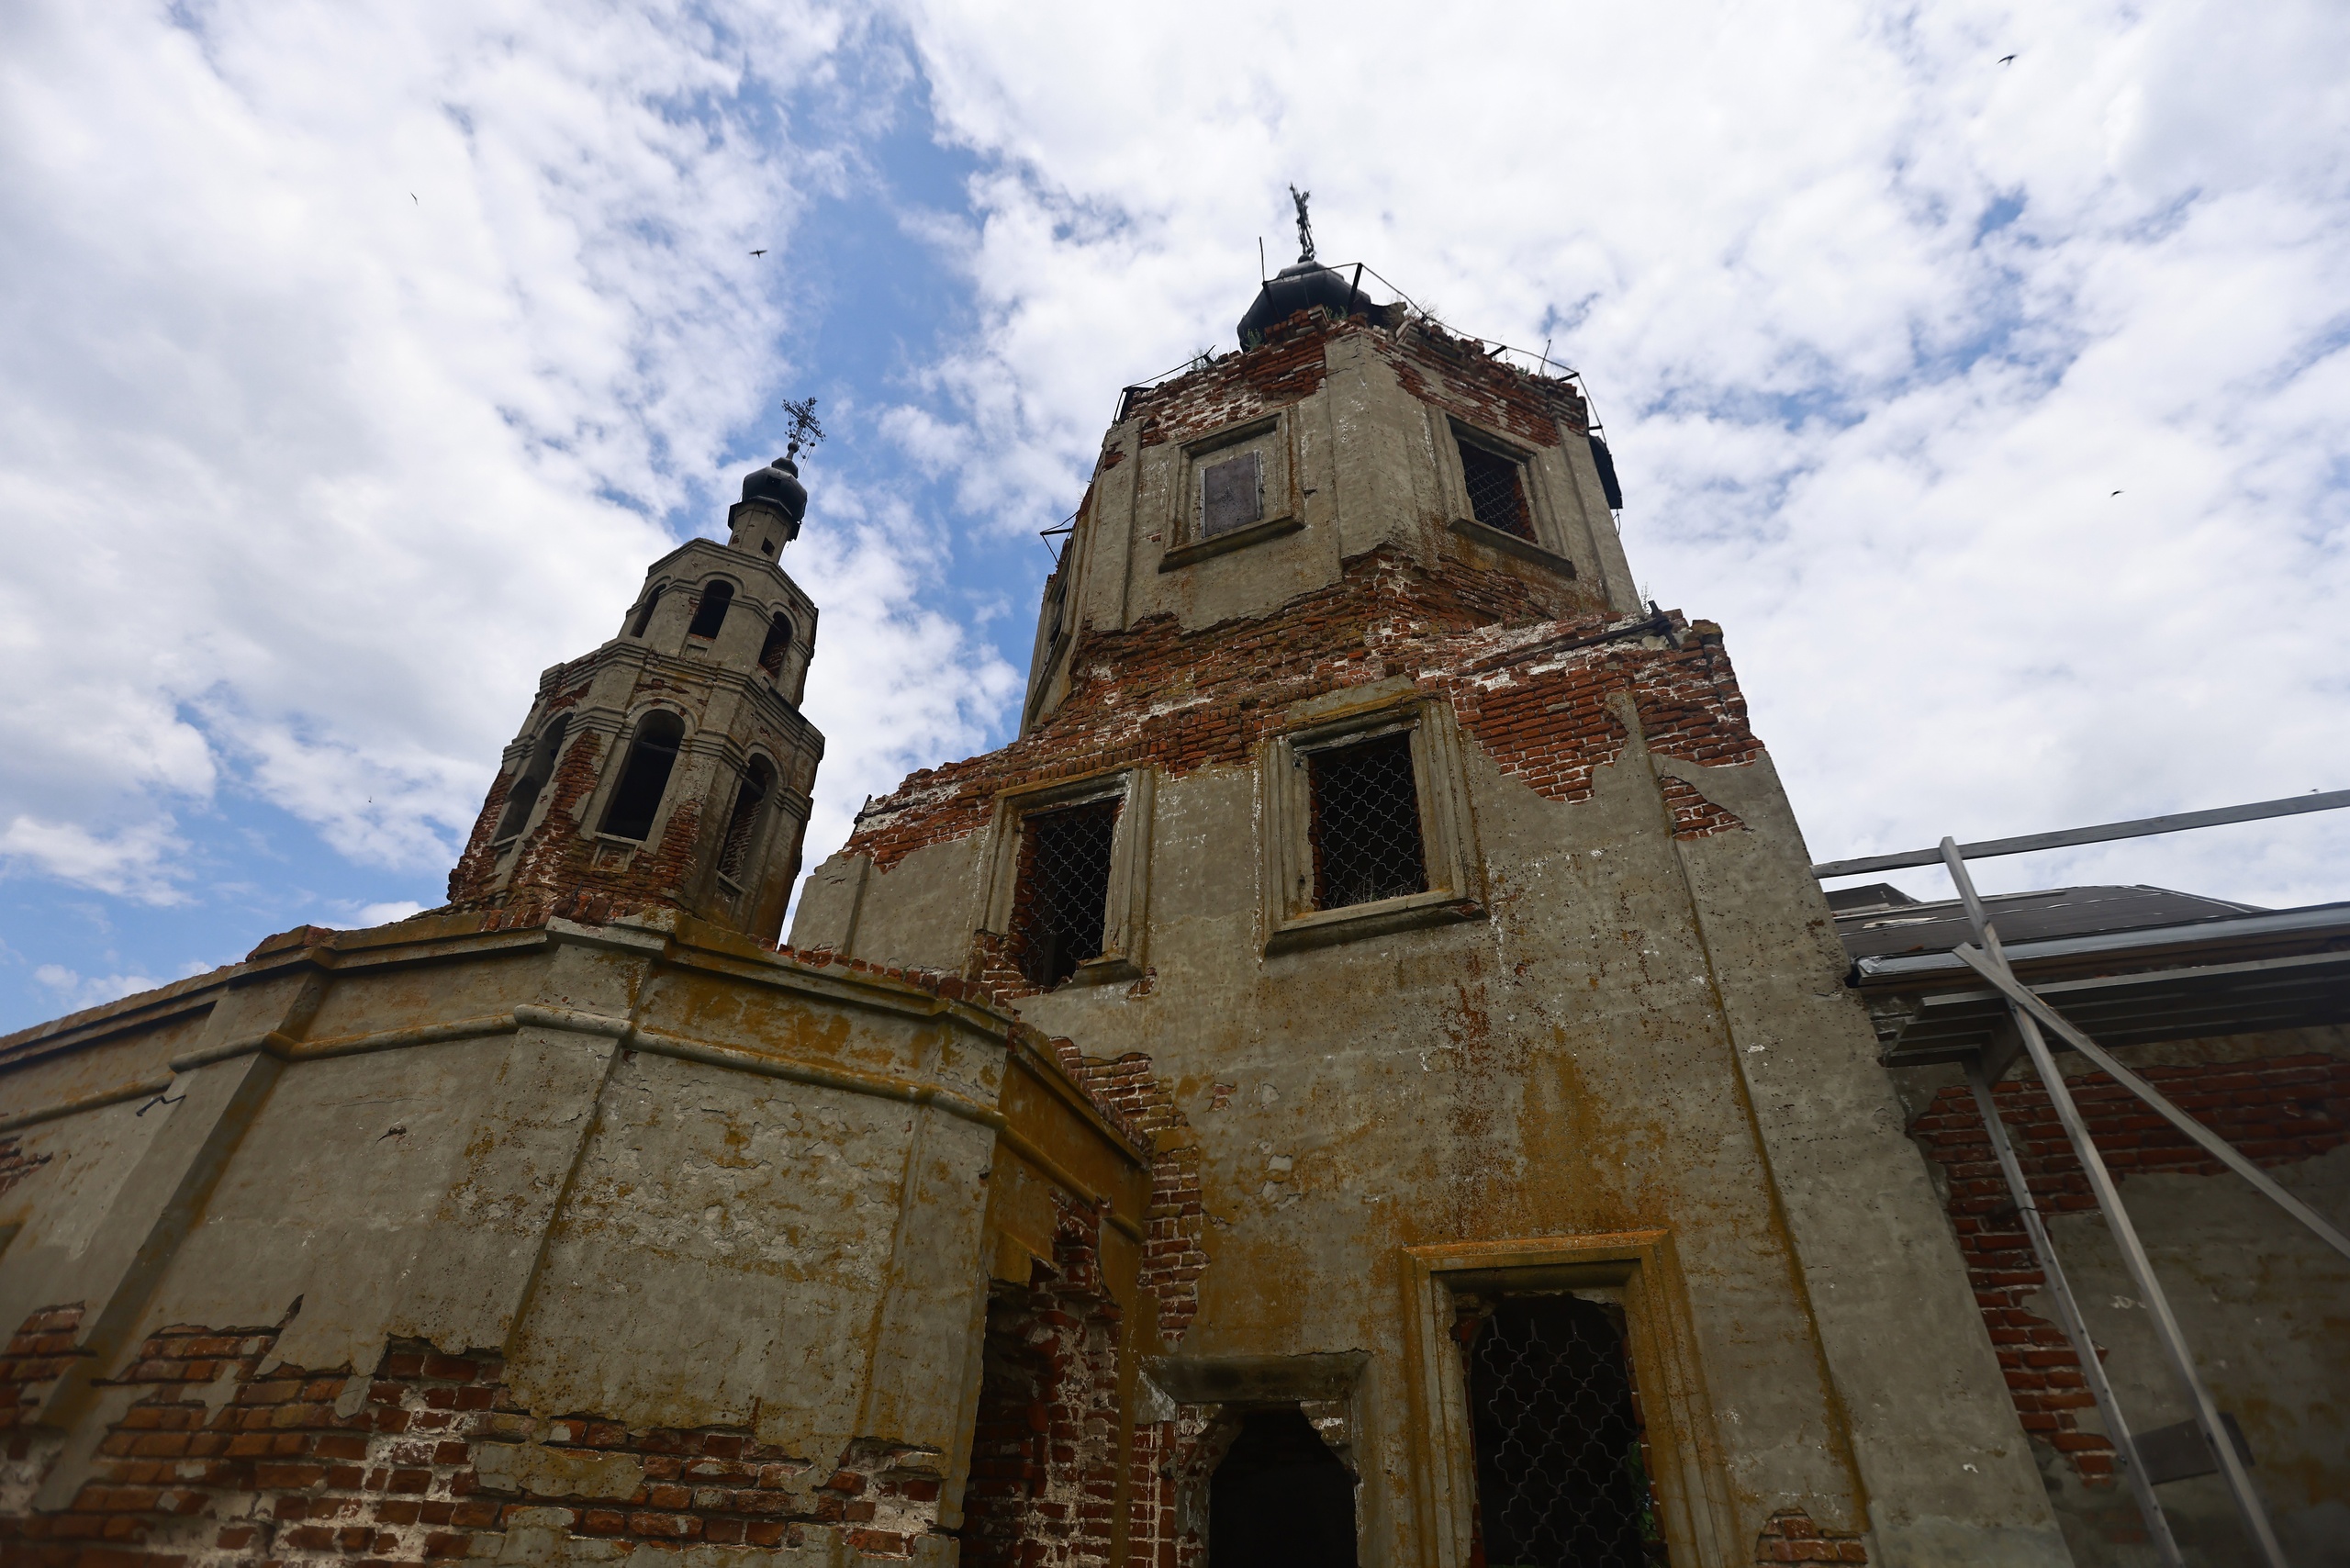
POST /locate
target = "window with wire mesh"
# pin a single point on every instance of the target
(1364, 821)
(1497, 490)
(743, 822)
(1562, 1456)
(1062, 899)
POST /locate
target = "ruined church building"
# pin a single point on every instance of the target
(1367, 1076)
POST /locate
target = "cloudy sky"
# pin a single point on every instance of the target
(356, 360)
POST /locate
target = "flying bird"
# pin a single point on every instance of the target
(2007, 59)
(2115, 493)
(411, 195)
(758, 253)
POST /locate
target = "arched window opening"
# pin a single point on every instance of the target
(645, 611)
(743, 823)
(645, 777)
(536, 770)
(779, 643)
(711, 614)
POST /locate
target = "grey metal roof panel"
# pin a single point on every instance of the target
(2027, 917)
(2316, 922)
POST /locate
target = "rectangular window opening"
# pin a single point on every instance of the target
(1061, 906)
(1497, 490)
(1365, 823)
(1563, 1467)
(1231, 495)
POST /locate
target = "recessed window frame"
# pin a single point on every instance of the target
(1126, 907)
(1547, 547)
(1448, 846)
(1637, 1270)
(1272, 437)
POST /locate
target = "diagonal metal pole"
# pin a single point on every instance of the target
(2125, 1234)
(2021, 995)
(2076, 1328)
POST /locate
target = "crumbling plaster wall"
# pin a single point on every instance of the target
(1641, 1025)
(667, 1185)
(1647, 1031)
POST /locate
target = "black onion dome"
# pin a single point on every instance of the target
(777, 485)
(1299, 286)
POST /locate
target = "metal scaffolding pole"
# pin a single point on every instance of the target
(2076, 1328)
(2125, 1234)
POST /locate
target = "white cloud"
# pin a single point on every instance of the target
(1877, 324)
(133, 861)
(347, 357)
(71, 991)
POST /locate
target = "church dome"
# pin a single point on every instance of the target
(1299, 286)
(777, 485)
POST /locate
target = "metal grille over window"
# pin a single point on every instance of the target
(1366, 823)
(1562, 1462)
(1063, 891)
(1497, 490)
(743, 823)
(1231, 495)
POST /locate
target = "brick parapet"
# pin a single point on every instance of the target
(2276, 1111)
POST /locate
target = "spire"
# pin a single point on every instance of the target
(1301, 286)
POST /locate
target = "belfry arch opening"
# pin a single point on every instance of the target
(710, 614)
(644, 778)
(536, 770)
(645, 611)
(779, 643)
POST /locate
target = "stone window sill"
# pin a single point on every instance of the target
(1378, 918)
(1511, 544)
(1238, 539)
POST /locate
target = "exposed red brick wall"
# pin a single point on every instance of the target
(1694, 816)
(276, 1475)
(1172, 1261)
(1463, 377)
(1046, 1448)
(1791, 1537)
(2275, 1111)
(15, 1164)
(1184, 701)
(1288, 368)
(39, 1352)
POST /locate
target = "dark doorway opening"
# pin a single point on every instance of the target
(1281, 1498)
(1563, 1467)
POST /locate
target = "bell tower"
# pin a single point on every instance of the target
(670, 768)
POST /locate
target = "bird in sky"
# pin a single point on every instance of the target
(2007, 59)
(2115, 493)
(758, 253)
(411, 195)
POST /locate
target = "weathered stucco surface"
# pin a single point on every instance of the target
(617, 1193)
(1630, 1021)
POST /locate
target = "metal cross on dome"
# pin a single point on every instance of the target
(805, 431)
(1305, 224)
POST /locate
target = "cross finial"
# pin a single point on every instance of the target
(1305, 224)
(805, 431)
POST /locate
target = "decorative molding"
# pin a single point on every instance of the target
(1511, 544)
